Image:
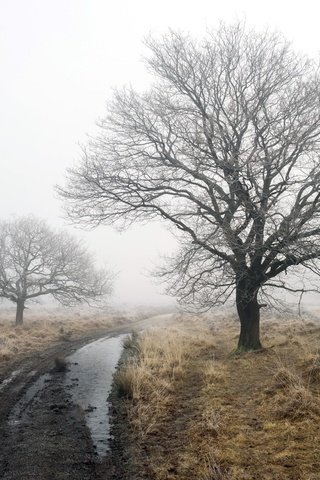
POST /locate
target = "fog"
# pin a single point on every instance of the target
(59, 63)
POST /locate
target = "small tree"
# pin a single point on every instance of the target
(36, 261)
(225, 147)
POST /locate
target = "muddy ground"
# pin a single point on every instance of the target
(49, 439)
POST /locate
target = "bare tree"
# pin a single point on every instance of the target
(36, 261)
(225, 147)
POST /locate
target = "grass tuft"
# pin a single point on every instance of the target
(285, 378)
(60, 364)
(131, 343)
(300, 403)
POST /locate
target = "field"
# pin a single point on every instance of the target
(43, 328)
(196, 411)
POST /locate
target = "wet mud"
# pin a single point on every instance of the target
(46, 436)
(59, 428)
(54, 425)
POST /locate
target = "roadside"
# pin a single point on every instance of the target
(219, 416)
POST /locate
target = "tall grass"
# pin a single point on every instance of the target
(148, 379)
(197, 412)
(297, 378)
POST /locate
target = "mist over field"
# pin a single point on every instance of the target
(59, 64)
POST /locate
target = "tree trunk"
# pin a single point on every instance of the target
(19, 312)
(249, 315)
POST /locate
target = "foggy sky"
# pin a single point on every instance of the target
(59, 62)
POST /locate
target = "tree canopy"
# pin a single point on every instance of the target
(224, 147)
(35, 261)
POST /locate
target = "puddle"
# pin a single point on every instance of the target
(89, 380)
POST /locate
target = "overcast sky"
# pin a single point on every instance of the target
(59, 62)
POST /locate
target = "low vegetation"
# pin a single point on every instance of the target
(147, 383)
(195, 411)
(48, 327)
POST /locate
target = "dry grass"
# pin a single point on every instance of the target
(147, 382)
(285, 378)
(300, 402)
(197, 412)
(213, 372)
(44, 328)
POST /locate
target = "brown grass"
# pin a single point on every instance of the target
(147, 382)
(197, 412)
(45, 328)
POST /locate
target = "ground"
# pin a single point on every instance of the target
(44, 328)
(222, 416)
(184, 406)
(50, 441)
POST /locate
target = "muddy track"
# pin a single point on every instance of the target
(53, 436)
(50, 440)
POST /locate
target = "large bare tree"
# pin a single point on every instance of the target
(36, 261)
(225, 147)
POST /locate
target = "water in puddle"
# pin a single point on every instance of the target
(89, 380)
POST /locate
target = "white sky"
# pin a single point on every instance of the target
(59, 62)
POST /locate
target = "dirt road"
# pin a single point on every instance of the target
(46, 437)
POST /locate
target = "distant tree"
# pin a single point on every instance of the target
(225, 147)
(37, 261)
